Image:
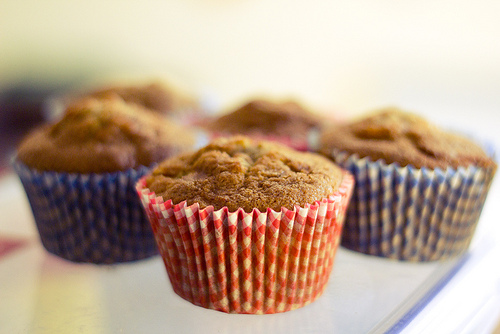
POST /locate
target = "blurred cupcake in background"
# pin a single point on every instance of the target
(79, 175)
(287, 122)
(247, 226)
(419, 189)
(157, 96)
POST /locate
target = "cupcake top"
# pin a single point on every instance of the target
(268, 118)
(400, 137)
(238, 172)
(156, 96)
(103, 135)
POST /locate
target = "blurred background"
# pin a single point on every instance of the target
(438, 58)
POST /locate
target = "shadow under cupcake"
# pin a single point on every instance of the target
(419, 190)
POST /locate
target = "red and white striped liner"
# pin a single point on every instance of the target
(238, 262)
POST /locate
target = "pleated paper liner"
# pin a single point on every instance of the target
(412, 214)
(254, 263)
(94, 218)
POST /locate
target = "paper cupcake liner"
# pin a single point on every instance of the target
(412, 214)
(93, 218)
(254, 263)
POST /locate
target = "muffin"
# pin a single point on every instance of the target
(420, 189)
(79, 175)
(247, 226)
(287, 122)
(157, 96)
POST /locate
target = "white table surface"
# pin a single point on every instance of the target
(41, 293)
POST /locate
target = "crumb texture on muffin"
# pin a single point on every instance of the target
(103, 135)
(238, 172)
(267, 117)
(396, 136)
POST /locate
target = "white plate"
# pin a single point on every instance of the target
(43, 293)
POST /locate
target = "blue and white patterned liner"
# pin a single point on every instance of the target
(96, 218)
(412, 214)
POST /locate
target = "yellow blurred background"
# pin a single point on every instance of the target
(438, 58)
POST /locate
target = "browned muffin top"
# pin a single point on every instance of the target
(103, 135)
(266, 117)
(156, 96)
(240, 172)
(399, 137)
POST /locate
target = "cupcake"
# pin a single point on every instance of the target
(287, 122)
(247, 226)
(419, 189)
(156, 96)
(80, 173)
